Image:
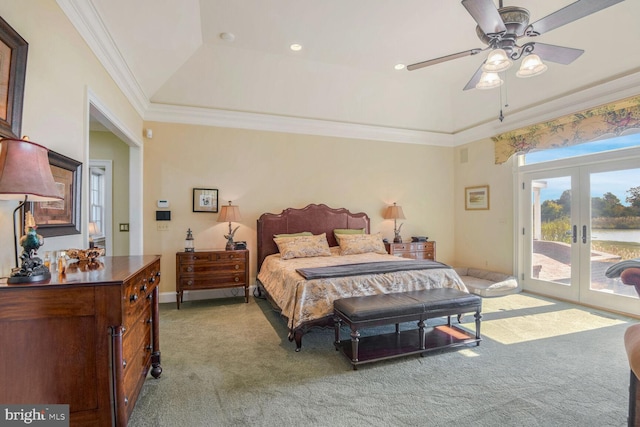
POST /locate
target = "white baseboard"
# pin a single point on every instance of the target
(170, 297)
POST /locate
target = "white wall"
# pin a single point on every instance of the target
(60, 71)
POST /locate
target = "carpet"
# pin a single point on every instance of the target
(541, 363)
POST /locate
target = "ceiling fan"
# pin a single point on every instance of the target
(501, 28)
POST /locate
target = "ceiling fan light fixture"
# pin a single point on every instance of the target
(531, 66)
(489, 81)
(497, 61)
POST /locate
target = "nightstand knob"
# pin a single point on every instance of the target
(152, 279)
(133, 298)
(143, 287)
(189, 282)
(237, 267)
(237, 279)
(124, 364)
(190, 269)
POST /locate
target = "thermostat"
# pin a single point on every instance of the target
(163, 203)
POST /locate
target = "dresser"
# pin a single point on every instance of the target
(211, 269)
(414, 250)
(87, 339)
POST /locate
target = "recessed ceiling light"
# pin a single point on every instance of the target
(228, 37)
(399, 66)
(295, 47)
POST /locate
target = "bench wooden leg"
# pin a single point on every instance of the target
(478, 316)
(337, 324)
(421, 332)
(355, 340)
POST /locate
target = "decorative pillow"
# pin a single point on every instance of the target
(303, 246)
(340, 231)
(302, 233)
(351, 244)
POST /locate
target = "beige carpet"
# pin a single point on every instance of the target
(541, 363)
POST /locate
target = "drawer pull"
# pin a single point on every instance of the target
(152, 279)
(143, 287)
(149, 320)
(124, 364)
(148, 348)
(189, 282)
(126, 400)
(237, 267)
(190, 269)
(133, 298)
(237, 279)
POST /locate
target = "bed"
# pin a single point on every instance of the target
(306, 303)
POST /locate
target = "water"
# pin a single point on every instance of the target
(616, 235)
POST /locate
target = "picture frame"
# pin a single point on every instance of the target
(205, 200)
(13, 67)
(476, 198)
(61, 217)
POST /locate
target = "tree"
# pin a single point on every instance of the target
(634, 197)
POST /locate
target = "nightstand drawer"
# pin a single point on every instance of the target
(213, 269)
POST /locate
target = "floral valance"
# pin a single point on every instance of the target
(610, 119)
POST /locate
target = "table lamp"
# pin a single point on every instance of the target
(395, 213)
(25, 174)
(94, 230)
(230, 214)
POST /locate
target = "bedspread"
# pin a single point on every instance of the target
(306, 300)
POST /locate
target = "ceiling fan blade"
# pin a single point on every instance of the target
(486, 15)
(557, 54)
(443, 59)
(475, 79)
(568, 14)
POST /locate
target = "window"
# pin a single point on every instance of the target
(97, 198)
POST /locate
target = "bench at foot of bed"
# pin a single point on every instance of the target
(396, 308)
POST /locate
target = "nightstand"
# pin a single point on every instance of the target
(414, 250)
(211, 269)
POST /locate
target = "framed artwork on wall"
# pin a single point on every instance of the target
(476, 198)
(60, 217)
(13, 67)
(205, 200)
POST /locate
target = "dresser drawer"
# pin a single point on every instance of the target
(219, 280)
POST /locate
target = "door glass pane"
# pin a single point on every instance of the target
(551, 231)
(615, 226)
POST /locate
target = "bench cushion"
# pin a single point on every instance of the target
(374, 307)
(444, 299)
(381, 306)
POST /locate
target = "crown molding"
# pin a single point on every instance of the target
(584, 99)
(86, 19)
(265, 122)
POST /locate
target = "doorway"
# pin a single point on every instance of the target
(572, 218)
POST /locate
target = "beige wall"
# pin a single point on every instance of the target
(106, 146)
(484, 238)
(60, 70)
(270, 171)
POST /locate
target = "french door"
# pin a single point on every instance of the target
(564, 252)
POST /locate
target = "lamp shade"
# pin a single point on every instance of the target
(497, 61)
(25, 171)
(229, 213)
(93, 229)
(531, 66)
(394, 212)
(489, 81)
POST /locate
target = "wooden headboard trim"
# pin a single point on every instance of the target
(316, 218)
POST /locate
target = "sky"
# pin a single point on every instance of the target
(616, 182)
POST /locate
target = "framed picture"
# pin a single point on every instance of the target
(476, 198)
(13, 66)
(205, 200)
(60, 217)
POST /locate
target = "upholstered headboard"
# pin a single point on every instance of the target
(317, 219)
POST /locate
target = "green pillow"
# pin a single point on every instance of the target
(302, 233)
(347, 231)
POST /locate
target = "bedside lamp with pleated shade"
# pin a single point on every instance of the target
(395, 213)
(25, 175)
(230, 213)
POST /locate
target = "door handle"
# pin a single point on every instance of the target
(584, 234)
(575, 233)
